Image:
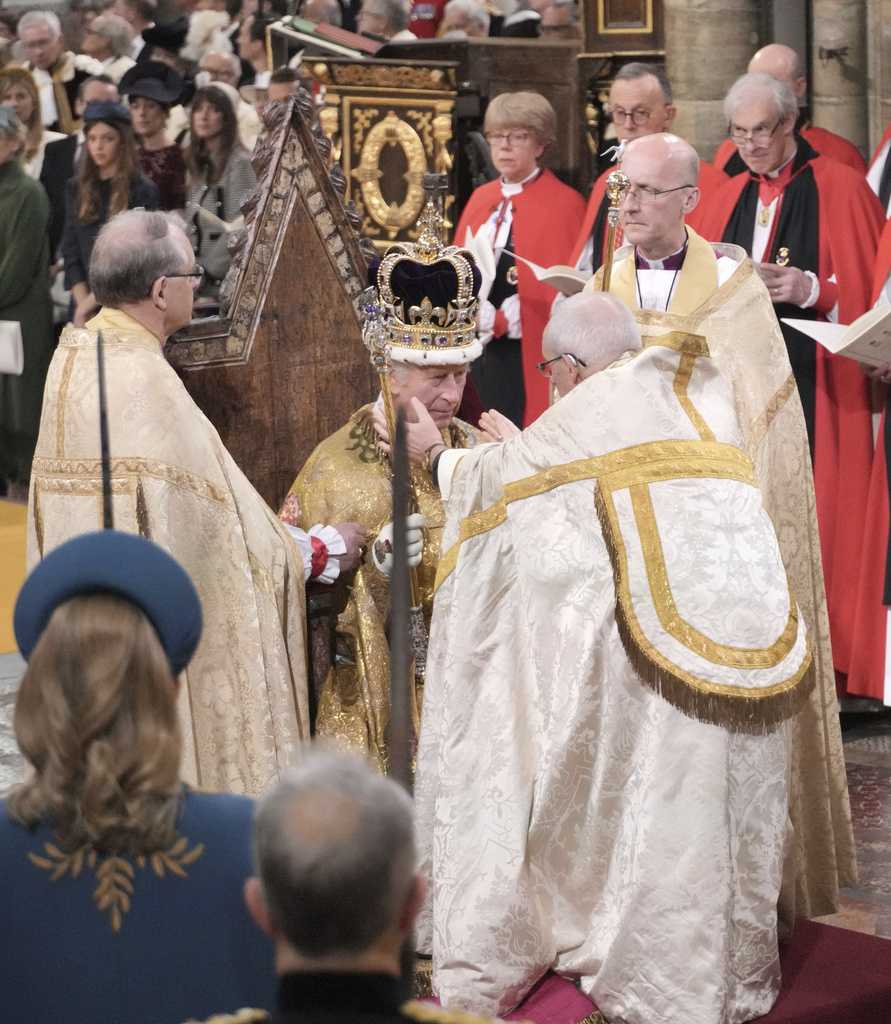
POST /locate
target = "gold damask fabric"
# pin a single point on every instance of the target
(346, 479)
(744, 337)
(746, 343)
(243, 699)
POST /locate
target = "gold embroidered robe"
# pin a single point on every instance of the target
(744, 337)
(243, 699)
(346, 479)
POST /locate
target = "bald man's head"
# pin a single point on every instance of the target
(678, 158)
(783, 63)
(663, 172)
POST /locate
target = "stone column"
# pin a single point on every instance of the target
(838, 83)
(708, 44)
(878, 44)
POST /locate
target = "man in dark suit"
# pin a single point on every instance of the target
(338, 894)
(61, 158)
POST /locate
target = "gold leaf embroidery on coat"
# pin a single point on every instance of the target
(114, 873)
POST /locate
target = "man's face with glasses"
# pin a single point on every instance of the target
(563, 369)
(764, 140)
(637, 107)
(42, 48)
(653, 207)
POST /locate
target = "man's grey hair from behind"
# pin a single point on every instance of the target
(133, 250)
(596, 327)
(335, 853)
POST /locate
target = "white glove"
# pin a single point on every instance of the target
(382, 548)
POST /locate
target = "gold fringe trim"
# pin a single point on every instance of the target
(747, 712)
(593, 1018)
(423, 977)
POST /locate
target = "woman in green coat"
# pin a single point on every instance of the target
(24, 299)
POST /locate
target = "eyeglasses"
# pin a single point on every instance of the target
(640, 115)
(574, 361)
(760, 135)
(647, 194)
(507, 138)
(196, 274)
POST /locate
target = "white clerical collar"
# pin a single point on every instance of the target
(514, 188)
(784, 164)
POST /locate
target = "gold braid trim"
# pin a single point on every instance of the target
(650, 462)
(741, 710)
(663, 600)
(84, 476)
(679, 341)
(773, 408)
(681, 387)
(593, 1018)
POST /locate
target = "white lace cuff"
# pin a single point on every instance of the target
(335, 544)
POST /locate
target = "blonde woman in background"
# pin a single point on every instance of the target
(18, 90)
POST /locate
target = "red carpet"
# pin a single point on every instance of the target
(833, 976)
(830, 976)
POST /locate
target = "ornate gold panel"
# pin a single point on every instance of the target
(388, 125)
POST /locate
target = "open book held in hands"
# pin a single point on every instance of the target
(565, 279)
(867, 339)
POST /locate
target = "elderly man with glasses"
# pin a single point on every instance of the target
(243, 705)
(58, 72)
(812, 227)
(640, 103)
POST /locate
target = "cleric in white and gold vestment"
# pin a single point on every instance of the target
(616, 653)
(243, 698)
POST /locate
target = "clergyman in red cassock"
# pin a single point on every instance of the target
(811, 225)
(869, 673)
(640, 102)
(782, 62)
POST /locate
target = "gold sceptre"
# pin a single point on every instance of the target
(616, 186)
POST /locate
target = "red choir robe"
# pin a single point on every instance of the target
(710, 179)
(546, 215)
(825, 142)
(867, 671)
(847, 220)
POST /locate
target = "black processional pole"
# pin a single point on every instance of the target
(401, 674)
(399, 739)
(107, 515)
